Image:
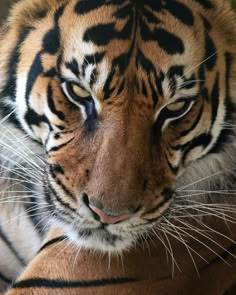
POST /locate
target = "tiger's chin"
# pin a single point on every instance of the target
(100, 240)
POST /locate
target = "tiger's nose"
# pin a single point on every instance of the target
(108, 219)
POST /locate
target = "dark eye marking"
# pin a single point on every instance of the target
(51, 104)
(86, 6)
(73, 66)
(205, 3)
(195, 123)
(172, 112)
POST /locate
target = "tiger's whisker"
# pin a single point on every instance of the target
(168, 250)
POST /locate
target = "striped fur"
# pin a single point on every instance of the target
(76, 272)
(124, 106)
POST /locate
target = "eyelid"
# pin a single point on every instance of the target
(173, 118)
(184, 99)
(65, 88)
(78, 91)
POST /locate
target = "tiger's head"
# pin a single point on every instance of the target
(128, 98)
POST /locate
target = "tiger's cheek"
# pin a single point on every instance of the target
(72, 161)
(186, 139)
(53, 119)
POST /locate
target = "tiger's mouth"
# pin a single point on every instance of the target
(87, 231)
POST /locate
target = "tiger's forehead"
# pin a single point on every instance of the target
(128, 39)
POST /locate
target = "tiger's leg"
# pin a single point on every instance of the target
(61, 268)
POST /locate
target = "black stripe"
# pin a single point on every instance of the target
(174, 169)
(168, 194)
(94, 59)
(86, 6)
(202, 140)
(5, 279)
(153, 210)
(224, 255)
(9, 89)
(148, 67)
(54, 34)
(51, 104)
(215, 100)
(11, 247)
(195, 123)
(210, 53)
(121, 88)
(57, 148)
(180, 11)
(53, 241)
(73, 66)
(67, 205)
(33, 118)
(101, 34)
(230, 108)
(120, 64)
(35, 70)
(206, 23)
(53, 284)
(205, 3)
(61, 184)
(167, 41)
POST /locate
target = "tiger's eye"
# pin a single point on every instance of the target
(174, 107)
(78, 91)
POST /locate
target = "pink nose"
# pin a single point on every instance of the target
(109, 219)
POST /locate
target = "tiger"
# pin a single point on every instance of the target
(117, 118)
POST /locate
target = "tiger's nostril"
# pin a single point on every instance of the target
(108, 219)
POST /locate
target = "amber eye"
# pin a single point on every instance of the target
(178, 106)
(178, 109)
(76, 94)
(76, 90)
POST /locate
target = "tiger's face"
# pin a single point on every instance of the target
(123, 95)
